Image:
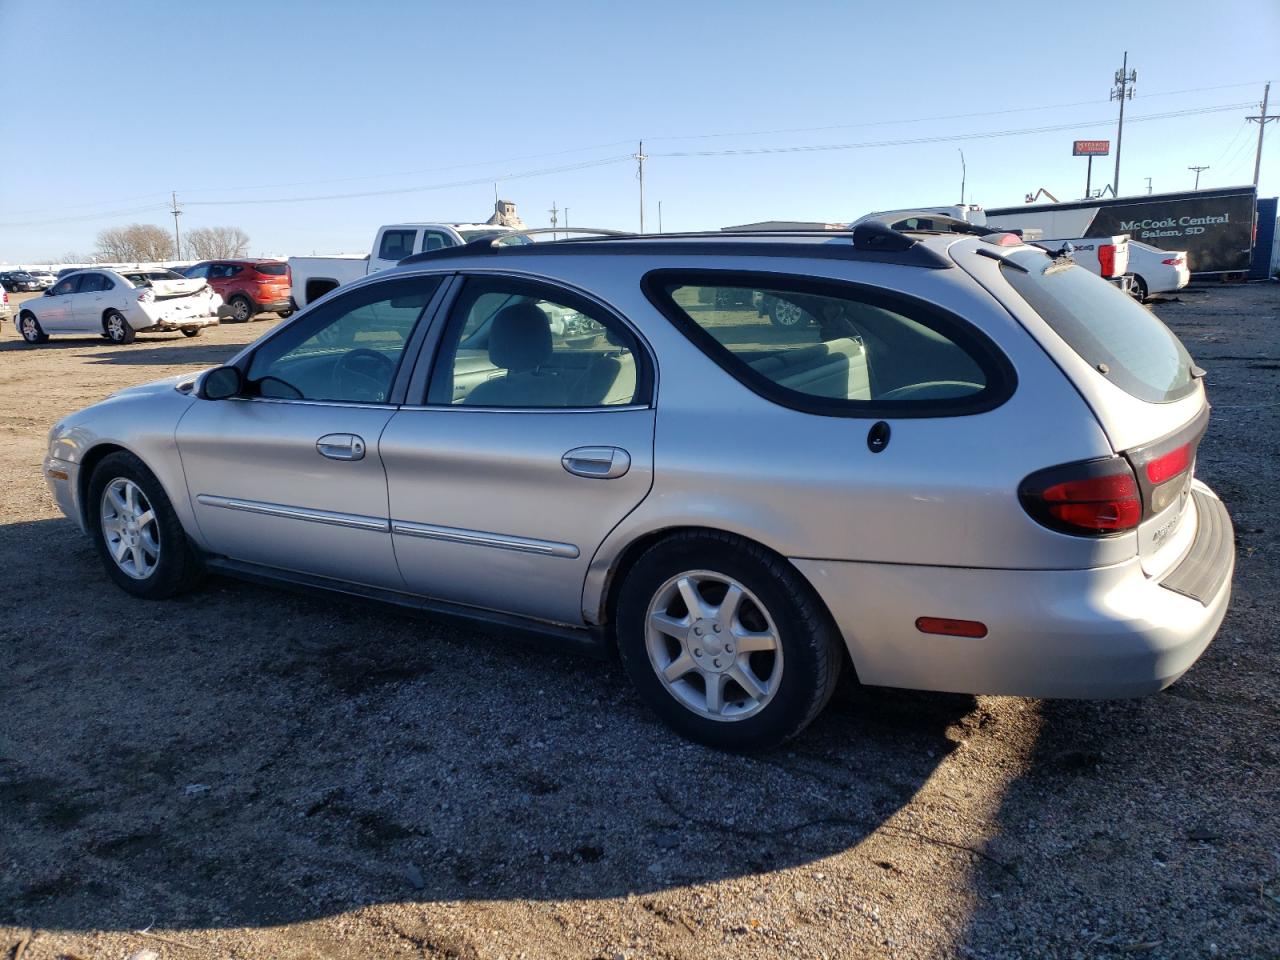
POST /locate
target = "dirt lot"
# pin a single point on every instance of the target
(250, 773)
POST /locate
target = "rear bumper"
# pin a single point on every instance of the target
(1101, 633)
(273, 306)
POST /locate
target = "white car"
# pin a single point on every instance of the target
(117, 304)
(44, 278)
(1157, 271)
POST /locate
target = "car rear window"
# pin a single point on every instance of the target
(1111, 331)
(272, 269)
(833, 348)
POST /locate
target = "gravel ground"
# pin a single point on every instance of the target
(245, 772)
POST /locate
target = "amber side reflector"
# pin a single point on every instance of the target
(57, 475)
(951, 628)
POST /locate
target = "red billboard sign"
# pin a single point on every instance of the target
(1091, 148)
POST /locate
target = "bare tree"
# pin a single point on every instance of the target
(216, 243)
(138, 242)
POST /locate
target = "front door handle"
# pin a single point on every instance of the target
(341, 446)
(597, 463)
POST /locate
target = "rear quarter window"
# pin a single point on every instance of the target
(835, 348)
(1112, 332)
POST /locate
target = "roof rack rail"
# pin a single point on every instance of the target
(495, 240)
(873, 240)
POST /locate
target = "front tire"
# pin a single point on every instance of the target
(726, 641)
(284, 314)
(117, 327)
(191, 331)
(241, 309)
(30, 328)
(136, 531)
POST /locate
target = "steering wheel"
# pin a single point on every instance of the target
(363, 374)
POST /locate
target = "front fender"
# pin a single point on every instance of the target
(142, 420)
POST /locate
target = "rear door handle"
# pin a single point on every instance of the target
(597, 463)
(341, 446)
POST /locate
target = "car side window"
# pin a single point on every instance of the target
(834, 348)
(218, 271)
(396, 244)
(435, 240)
(347, 351)
(518, 344)
(198, 272)
(94, 283)
(63, 287)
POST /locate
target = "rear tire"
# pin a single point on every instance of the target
(117, 327)
(30, 328)
(191, 331)
(136, 531)
(241, 309)
(1139, 289)
(284, 314)
(776, 638)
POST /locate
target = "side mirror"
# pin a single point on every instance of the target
(220, 383)
(48, 291)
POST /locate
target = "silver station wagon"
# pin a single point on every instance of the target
(947, 462)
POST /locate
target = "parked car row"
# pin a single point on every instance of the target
(479, 432)
(118, 305)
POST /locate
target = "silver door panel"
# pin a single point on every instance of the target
(263, 492)
(484, 513)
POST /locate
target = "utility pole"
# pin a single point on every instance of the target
(1262, 120)
(640, 158)
(963, 175)
(1122, 91)
(1197, 170)
(1148, 186)
(177, 242)
(553, 211)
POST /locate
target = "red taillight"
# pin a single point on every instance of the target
(1170, 465)
(951, 628)
(1174, 261)
(1107, 259)
(1093, 497)
(146, 295)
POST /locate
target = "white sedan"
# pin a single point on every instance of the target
(117, 304)
(1157, 271)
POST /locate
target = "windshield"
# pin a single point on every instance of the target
(1115, 335)
(469, 235)
(144, 278)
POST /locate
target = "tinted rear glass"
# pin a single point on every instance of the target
(1109, 329)
(272, 269)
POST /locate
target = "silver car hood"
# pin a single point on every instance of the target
(182, 382)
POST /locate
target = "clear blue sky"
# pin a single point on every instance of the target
(108, 107)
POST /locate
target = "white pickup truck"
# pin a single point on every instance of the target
(313, 277)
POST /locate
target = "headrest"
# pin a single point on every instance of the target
(520, 338)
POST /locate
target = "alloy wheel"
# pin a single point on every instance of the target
(787, 314)
(30, 332)
(130, 529)
(115, 327)
(713, 645)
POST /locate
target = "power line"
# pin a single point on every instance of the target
(605, 161)
(946, 138)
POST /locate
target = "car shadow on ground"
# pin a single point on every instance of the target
(166, 355)
(242, 756)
